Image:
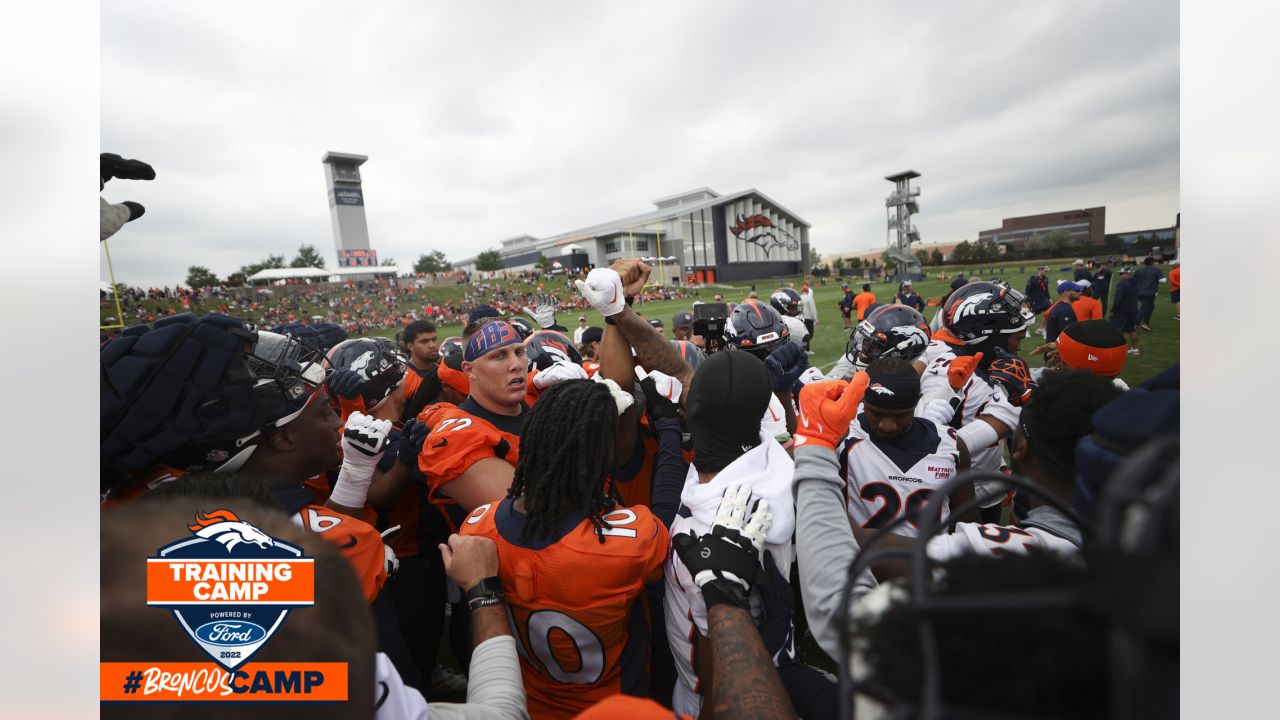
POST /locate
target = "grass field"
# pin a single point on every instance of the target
(1159, 347)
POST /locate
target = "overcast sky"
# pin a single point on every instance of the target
(486, 120)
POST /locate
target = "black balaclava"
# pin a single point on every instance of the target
(729, 395)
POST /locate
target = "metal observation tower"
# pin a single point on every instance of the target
(899, 207)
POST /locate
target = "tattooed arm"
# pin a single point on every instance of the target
(745, 684)
(653, 350)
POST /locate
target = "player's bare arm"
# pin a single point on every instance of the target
(468, 559)
(744, 682)
(485, 481)
(616, 364)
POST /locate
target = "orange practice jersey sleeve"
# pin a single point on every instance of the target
(574, 603)
(358, 541)
(456, 441)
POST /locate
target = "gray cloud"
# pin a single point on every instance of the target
(487, 120)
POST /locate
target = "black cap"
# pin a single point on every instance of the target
(592, 334)
(684, 318)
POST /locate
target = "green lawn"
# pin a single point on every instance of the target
(1159, 347)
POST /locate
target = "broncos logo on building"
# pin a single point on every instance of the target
(761, 231)
(223, 526)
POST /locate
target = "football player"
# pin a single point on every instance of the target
(1054, 420)
(892, 461)
(889, 331)
(571, 562)
(472, 448)
(420, 338)
(759, 330)
(730, 390)
(262, 407)
(787, 302)
(975, 368)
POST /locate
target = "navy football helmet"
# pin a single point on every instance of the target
(756, 328)
(892, 330)
(545, 348)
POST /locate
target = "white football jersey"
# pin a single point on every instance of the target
(886, 479)
(1045, 527)
(797, 329)
(769, 471)
(774, 421)
(979, 398)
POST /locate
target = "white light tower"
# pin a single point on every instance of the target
(899, 207)
(346, 209)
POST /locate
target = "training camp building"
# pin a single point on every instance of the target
(711, 237)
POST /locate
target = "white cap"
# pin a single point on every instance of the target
(1078, 262)
(1175, 263)
(1083, 283)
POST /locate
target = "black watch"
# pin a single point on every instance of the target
(489, 587)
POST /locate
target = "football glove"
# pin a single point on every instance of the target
(389, 555)
(603, 290)
(811, 375)
(412, 436)
(661, 394)
(939, 411)
(725, 562)
(346, 384)
(1010, 373)
(364, 440)
(961, 369)
(558, 372)
(544, 311)
(827, 408)
(785, 366)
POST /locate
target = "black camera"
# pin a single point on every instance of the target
(709, 321)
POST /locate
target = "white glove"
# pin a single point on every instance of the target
(544, 311)
(364, 440)
(558, 372)
(603, 289)
(621, 397)
(729, 522)
(393, 562)
(667, 386)
(939, 411)
(811, 375)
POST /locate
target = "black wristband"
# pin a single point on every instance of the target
(716, 592)
(489, 587)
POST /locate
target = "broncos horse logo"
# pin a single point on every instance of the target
(223, 526)
(759, 230)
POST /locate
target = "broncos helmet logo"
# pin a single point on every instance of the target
(915, 338)
(223, 526)
(969, 306)
(361, 364)
(880, 389)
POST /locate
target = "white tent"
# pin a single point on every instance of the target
(274, 274)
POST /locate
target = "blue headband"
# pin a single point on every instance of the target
(491, 336)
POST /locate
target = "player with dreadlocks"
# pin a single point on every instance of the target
(570, 559)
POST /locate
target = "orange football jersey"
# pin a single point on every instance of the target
(459, 437)
(358, 541)
(413, 378)
(573, 602)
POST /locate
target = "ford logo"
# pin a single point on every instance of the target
(231, 633)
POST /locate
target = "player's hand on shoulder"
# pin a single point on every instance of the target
(725, 562)
(468, 559)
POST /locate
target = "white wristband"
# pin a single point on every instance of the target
(352, 487)
(977, 435)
